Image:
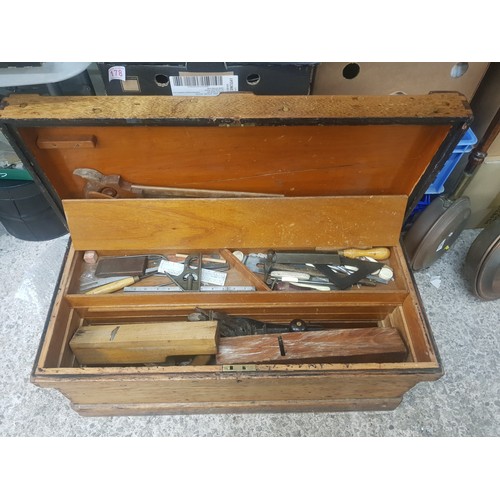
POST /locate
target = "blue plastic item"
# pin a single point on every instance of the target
(421, 206)
(423, 203)
(465, 145)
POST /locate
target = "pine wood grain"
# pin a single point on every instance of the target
(142, 342)
(237, 107)
(157, 371)
(336, 346)
(137, 409)
(235, 389)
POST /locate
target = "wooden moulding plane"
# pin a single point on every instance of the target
(122, 344)
(354, 345)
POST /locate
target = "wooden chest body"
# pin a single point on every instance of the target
(350, 169)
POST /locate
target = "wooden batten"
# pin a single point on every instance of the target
(65, 141)
(235, 223)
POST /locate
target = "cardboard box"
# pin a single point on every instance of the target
(397, 78)
(201, 79)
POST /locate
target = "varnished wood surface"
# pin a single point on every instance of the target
(276, 223)
(387, 152)
(294, 160)
(65, 141)
(258, 302)
(350, 345)
(236, 107)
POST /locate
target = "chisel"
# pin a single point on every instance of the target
(119, 284)
(114, 286)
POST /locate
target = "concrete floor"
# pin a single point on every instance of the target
(464, 402)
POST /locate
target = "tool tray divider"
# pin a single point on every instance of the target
(396, 287)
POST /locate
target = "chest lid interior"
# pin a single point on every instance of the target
(384, 149)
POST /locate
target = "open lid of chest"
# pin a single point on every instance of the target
(354, 165)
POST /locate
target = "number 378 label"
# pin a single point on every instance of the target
(117, 73)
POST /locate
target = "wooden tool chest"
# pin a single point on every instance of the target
(350, 170)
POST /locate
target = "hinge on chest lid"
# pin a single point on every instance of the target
(239, 368)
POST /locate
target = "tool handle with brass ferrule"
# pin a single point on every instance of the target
(114, 286)
(377, 253)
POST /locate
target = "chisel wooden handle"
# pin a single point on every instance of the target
(114, 286)
(377, 253)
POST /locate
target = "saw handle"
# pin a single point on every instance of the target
(377, 253)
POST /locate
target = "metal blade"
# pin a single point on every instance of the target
(302, 258)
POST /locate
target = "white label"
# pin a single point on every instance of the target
(117, 73)
(173, 268)
(213, 277)
(203, 85)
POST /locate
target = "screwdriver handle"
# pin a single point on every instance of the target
(377, 253)
(312, 286)
(114, 286)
